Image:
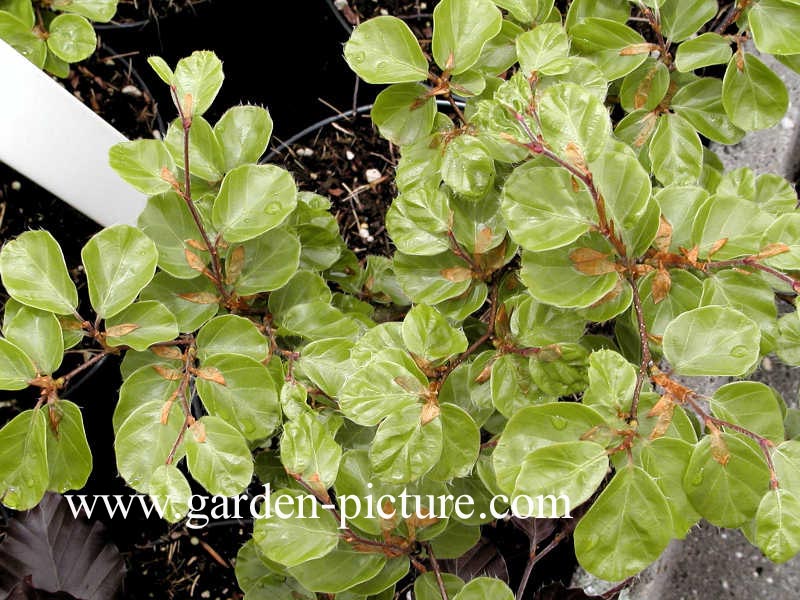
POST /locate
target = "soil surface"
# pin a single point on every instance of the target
(134, 12)
(418, 14)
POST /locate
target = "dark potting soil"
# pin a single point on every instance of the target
(141, 11)
(418, 14)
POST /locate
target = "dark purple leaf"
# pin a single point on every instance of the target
(483, 559)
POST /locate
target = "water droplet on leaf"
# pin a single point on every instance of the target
(558, 422)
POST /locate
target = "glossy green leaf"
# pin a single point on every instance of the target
(23, 460)
(562, 371)
(426, 586)
(34, 273)
(725, 481)
(19, 36)
(119, 262)
(752, 405)
(676, 154)
(37, 334)
(624, 530)
(71, 38)
(21, 9)
(753, 95)
(191, 301)
(69, 459)
(162, 69)
(512, 386)
(418, 221)
(141, 325)
(682, 18)
(613, 10)
(143, 164)
(740, 222)
(218, 457)
(199, 76)
(467, 167)
(248, 400)
(205, 152)
(231, 334)
(572, 116)
(712, 340)
(526, 11)
(404, 113)
(500, 52)
(461, 440)
(253, 199)
(304, 286)
(243, 133)
(100, 11)
(612, 380)
(703, 51)
(427, 334)
(561, 477)
(485, 587)
(778, 525)
(384, 50)
(269, 262)
(170, 490)
(535, 324)
(338, 570)
(327, 363)
(167, 221)
(461, 28)
(601, 40)
(143, 442)
(773, 25)
(646, 87)
(144, 386)
(465, 388)
(309, 451)
(393, 571)
(544, 50)
(432, 279)
(537, 427)
(319, 320)
(701, 104)
(543, 209)
(405, 448)
(289, 539)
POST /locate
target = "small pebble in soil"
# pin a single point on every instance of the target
(372, 175)
(194, 541)
(16, 186)
(349, 154)
(305, 152)
(132, 90)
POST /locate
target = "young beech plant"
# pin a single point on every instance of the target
(53, 33)
(567, 251)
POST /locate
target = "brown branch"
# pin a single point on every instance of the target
(481, 340)
(734, 12)
(646, 360)
(535, 558)
(81, 368)
(187, 410)
(460, 252)
(436, 571)
(753, 261)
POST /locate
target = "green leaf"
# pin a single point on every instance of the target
(304, 286)
(544, 50)
(788, 342)
(461, 441)
(676, 154)
(418, 221)
(269, 262)
(144, 386)
(626, 529)
(773, 25)
(143, 164)
(572, 116)
(726, 479)
(542, 208)
(231, 334)
(461, 28)
(535, 324)
(71, 38)
(467, 167)
(784, 230)
(144, 443)
(37, 334)
(526, 11)
(646, 87)
(327, 363)
(141, 325)
(485, 587)
(191, 301)
(778, 525)
(119, 262)
(389, 382)
(199, 76)
(170, 490)
(434, 279)
(100, 11)
(23, 460)
(612, 380)
(753, 95)
(69, 459)
(739, 221)
(318, 320)
(252, 200)
(426, 586)
(613, 10)
(393, 571)
(682, 18)
(602, 40)
(712, 340)
(20, 37)
(218, 457)
(427, 334)
(786, 458)
(560, 371)
(205, 152)
(537, 427)
(665, 460)
(684, 295)
(309, 451)
(500, 53)
(512, 386)
(465, 388)
(247, 400)
(405, 448)
(566, 474)
(551, 276)
(21, 9)
(290, 539)
(34, 273)
(338, 570)
(703, 51)
(243, 133)
(162, 69)
(701, 104)
(384, 50)
(404, 113)
(752, 405)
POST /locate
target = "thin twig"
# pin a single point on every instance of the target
(436, 571)
(646, 360)
(535, 558)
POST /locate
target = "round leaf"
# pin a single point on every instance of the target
(71, 38)
(23, 460)
(460, 30)
(778, 525)
(142, 163)
(170, 490)
(231, 334)
(199, 76)
(37, 333)
(243, 133)
(383, 50)
(141, 325)
(69, 459)
(753, 95)
(269, 262)
(218, 457)
(404, 113)
(427, 334)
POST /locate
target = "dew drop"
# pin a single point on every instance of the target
(697, 479)
(558, 422)
(358, 57)
(739, 351)
(273, 208)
